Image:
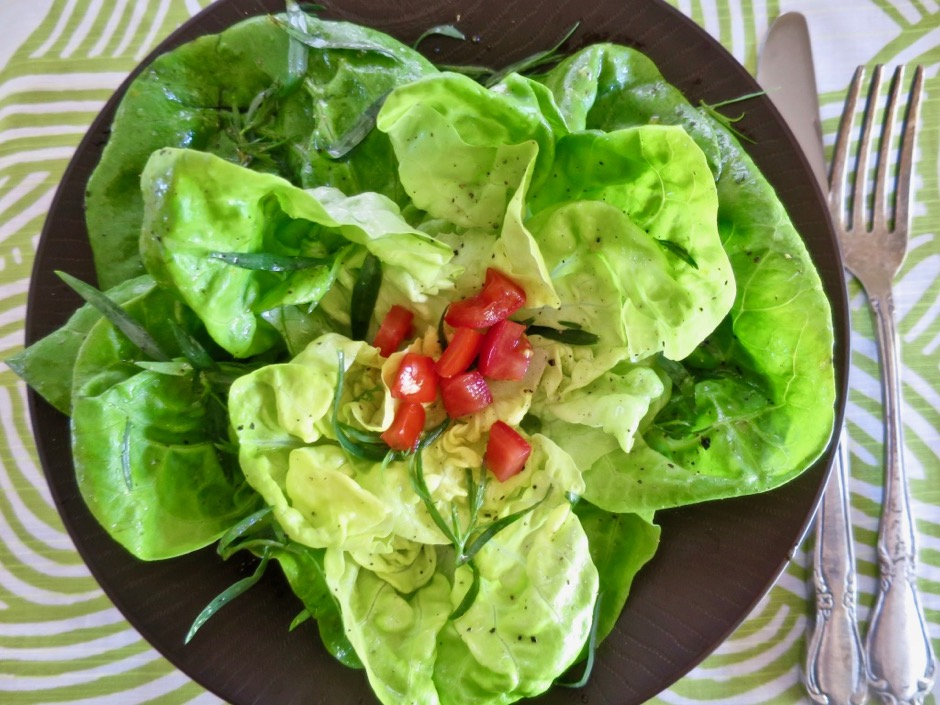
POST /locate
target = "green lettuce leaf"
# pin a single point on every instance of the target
(199, 206)
(244, 95)
(759, 405)
(620, 545)
(601, 219)
(147, 445)
(388, 562)
(463, 149)
(47, 364)
(305, 572)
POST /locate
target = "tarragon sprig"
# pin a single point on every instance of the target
(468, 541)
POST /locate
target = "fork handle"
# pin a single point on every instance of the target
(835, 664)
(901, 664)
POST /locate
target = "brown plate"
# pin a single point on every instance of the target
(716, 560)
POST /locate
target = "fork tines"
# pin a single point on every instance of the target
(858, 220)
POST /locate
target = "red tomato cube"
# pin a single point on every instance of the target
(416, 379)
(460, 352)
(500, 298)
(465, 394)
(506, 351)
(395, 327)
(506, 451)
(406, 427)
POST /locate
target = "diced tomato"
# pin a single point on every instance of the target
(395, 327)
(406, 427)
(465, 393)
(416, 379)
(506, 351)
(460, 352)
(500, 298)
(506, 451)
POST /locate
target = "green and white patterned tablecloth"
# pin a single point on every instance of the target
(61, 640)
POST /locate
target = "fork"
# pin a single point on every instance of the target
(900, 661)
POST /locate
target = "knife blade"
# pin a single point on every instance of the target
(785, 71)
(835, 662)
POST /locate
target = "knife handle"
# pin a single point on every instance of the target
(835, 664)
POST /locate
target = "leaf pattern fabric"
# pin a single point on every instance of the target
(61, 640)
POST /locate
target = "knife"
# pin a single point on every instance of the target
(835, 663)
(785, 71)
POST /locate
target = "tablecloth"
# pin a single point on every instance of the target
(62, 641)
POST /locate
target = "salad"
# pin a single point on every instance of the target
(439, 343)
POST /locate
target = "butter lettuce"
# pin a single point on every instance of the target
(757, 405)
(609, 220)
(48, 365)
(244, 95)
(145, 439)
(388, 563)
(198, 206)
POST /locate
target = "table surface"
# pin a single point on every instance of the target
(62, 641)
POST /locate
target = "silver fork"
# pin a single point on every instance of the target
(900, 660)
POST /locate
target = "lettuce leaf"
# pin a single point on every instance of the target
(146, 443)
(239, 94)
(601, 220)
(759, 404)
(48, 364)
(199, 206)
(388, 563)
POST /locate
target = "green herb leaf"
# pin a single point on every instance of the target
(489, 531)
(359, 130)
(571, 336)
(421, 489)
(476, 494)
(260, 518)
(725, 120)
(470, 596)
(535, 61)
(315, 41)
(173, 368)
(227, 596)
(441, 30)
(118, 317)
(678, 251)
(477, 73)
(126, 455)
(267, 262)
(192, 349)
(346, 434)
(299, 619)
(591, 649)
(364, 295)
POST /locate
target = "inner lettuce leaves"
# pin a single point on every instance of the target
(389, 564)
(239, 95)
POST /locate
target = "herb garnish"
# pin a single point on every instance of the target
(366, 445)
(678, 251)
(267, 262)
(468, 541)
(571, 336)
(711, 109)
(118, 317)
(364, 295)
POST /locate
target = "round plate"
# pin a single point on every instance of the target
(715, 561)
